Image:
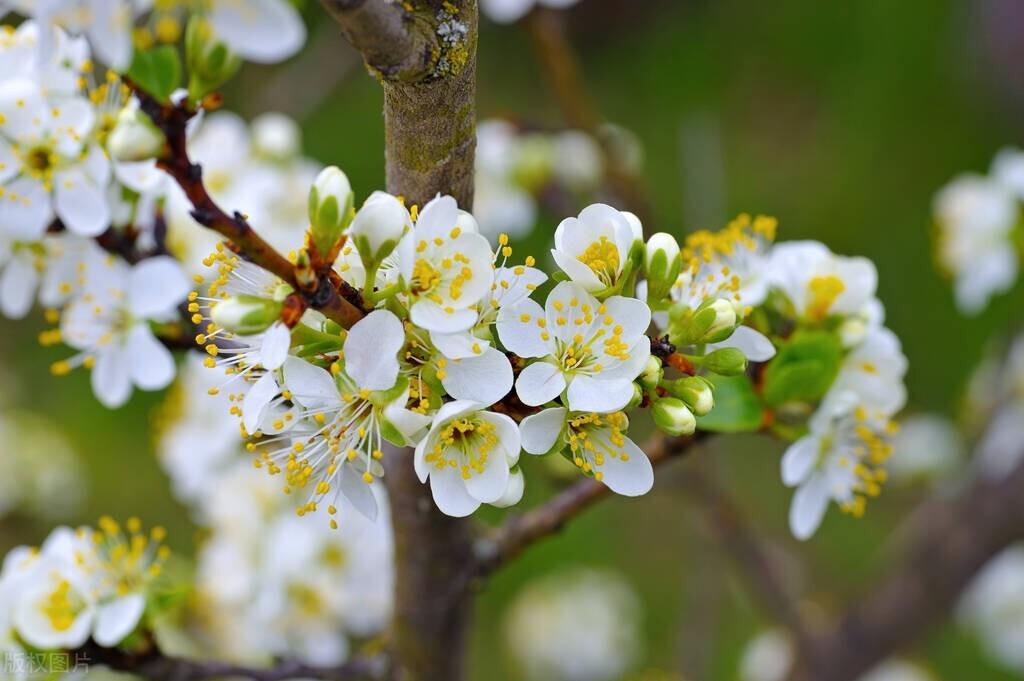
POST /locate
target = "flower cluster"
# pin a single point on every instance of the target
(980, 233)
(80, 584)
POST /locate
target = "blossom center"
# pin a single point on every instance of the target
(464, 444)
(62, 606)
(824, 292)
(602, 257)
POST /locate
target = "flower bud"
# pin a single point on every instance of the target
(726, 362)
(725, 321)
(673, 417)
(210, 63)
(245, 314)
(662, 264)
(636, 400)
(276, 136)
(330, 207)
(378, 227)
(695, 392)
(651, 374)
(135, 137)
(513, 491)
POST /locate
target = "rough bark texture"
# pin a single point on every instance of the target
(424, 54)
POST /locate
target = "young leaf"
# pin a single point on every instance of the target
(157, 71)
(804, 369)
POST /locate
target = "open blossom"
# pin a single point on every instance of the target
(83, 583)
(109, 324)
(342, 417)
(576, 625)
(841, 459)
(821, 285)
(977, 216)
(874, 370)
(467, 456)
(446, 265)
(597, 444)
(590, 349)
(594, 248)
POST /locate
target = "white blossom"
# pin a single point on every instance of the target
(594, 248)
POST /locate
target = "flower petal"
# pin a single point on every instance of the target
(808, 507)
(311, 386)
(111, 377)
(358, 493)
(450, 493)
(488, 485)
(152, 365)
(18, 285)
(256, 400)
(274, 348)
(587, 393)
(754, 345)
(539, 383)
(80, 203)
(520, 331)
(484, 378)
(540, 432)
(799, 459)
(117, 619)
(371, 350)
(264, 31)
(631, 475)
(156, 286)
(430, 316)
(26, 209)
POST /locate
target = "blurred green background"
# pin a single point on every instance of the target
(840, 118)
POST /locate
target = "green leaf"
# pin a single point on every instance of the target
(804, 368)
(157, 71)
(737, 408)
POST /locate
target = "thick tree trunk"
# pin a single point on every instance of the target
(424, 54)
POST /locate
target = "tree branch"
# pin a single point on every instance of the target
(523, 531)
(155, 666)
(172, 121)
(948, 548)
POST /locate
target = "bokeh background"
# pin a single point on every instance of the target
(839, 118)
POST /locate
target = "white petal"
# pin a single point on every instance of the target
(18, 284)
(629, 368)
(589, 394)
(274, 349)
(256, 400)
(799, 459)
(577, 271)
(437, 218)
(631, 314)
(459, 345)
(152, 365)
(117, 619)
(632, 477)
(311, 386)
(156, 286)
(541, 431)
(539, 383)
(808, 507)
(519, 285)
(513, 490)
(450, 493)
(485, 378)
(490, 484)
(523, 337)
(508, 435)
(754, 345)
(111, 378)
(371, 350)
(26, 209)
(358, 493)
(264, 31)
(8, 162)
(141, 176)
(110, 34)
(409, 423)
(429, 315)
(81, 204)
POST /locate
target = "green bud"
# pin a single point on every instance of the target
(245, 314)
(726, 362)
(695, 392)
(651, 374)
(135, 137)
(636, 400)
(726, 320)
(210, 62)
(662, 265)
(689, 327)
(673, 416)
(330, 207)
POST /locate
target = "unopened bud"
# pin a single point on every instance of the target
(330, 207)
(695, 392)
(135, 137)
(513, 491)
(726, 362)
(245, 314)
(651, 374)
(210, 62)
(673, 416)
(636, 400)
(662, 264)
(378, 227)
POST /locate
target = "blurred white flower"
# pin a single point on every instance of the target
(508, 11)
(993, 606)
(575, 625)
(40, 473)
(927, 447)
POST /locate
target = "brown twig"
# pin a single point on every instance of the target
(172, 121)
(156, 666)
(524, 530)
(946, 551)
